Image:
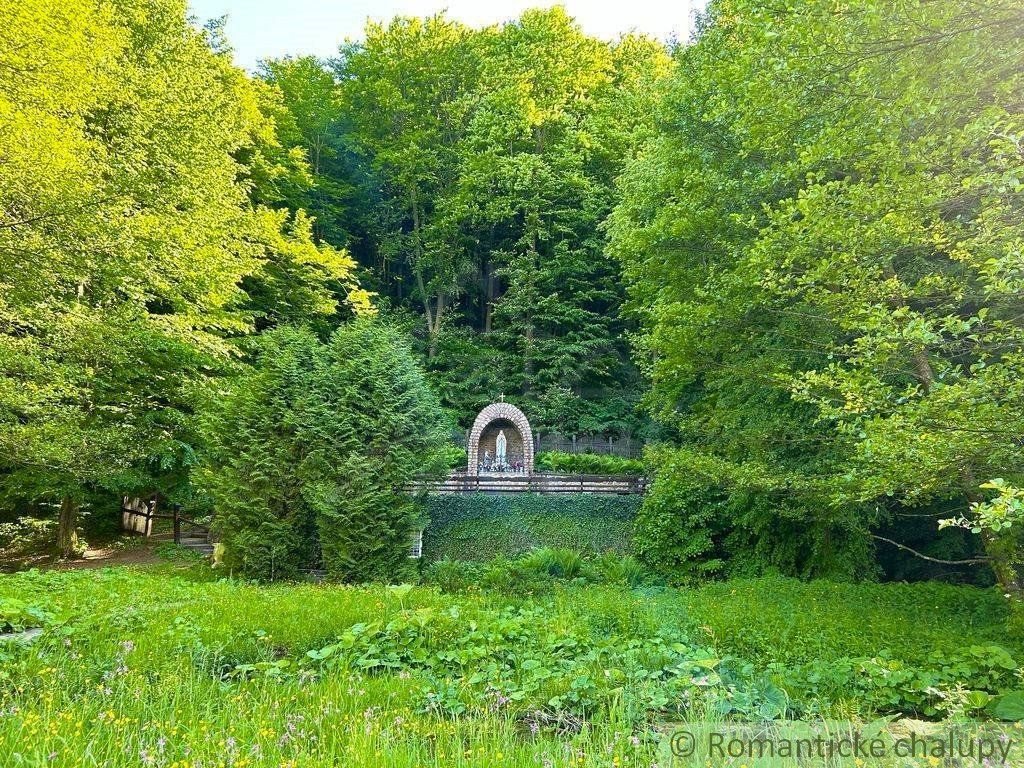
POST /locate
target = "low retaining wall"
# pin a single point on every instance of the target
(479, 526)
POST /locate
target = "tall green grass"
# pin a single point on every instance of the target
(166, 667)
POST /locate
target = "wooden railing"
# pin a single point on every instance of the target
(138, 516)
(538, 482)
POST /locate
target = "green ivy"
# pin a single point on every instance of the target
(481, 526)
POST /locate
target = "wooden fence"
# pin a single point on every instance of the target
(539, 482)
(137, 516)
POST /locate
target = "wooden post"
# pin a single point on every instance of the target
(150, 513)
(176, 509)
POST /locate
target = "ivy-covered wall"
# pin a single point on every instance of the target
(480, 526)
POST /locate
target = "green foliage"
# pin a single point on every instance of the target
(26, 536)
(613, 568)
(455, 457)
(785, 620)
(310, 450)
(525, 668)
(587, 463)
(864, 647)
(127, 239)
(480, 526)
(536, 572)
(17, 615)
(559, 563)
(174, 553)
(470, 171)
(996, 514)
(1010, 706)
(228, 657)
(689, 530)
(820, 242)
(313, 127)
(881, 683)
(454, 576)
(676, 528)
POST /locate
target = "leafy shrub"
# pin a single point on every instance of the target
(775, 619)
(452, 576)
(310, 450)
(611, 568)
(885, 684)
(689, 530)
(454, 456)
(557, 563)
(516, 577)
(480, 526)
(677, 527)
(513, 661)
(17, 615)
(27, 536)
(536, 572)
(588, 463)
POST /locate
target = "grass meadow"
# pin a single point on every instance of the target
(168, 666)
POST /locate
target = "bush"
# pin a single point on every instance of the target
(480, 526)
(588, 464)
(309, 452)
(610, 568)
(557, 563)
(453, 576)
(516, 577)
(536, 572)
(27, 536)
(688, 530)
(454, 457)
(17, 615)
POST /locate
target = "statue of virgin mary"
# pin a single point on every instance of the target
(500, 446)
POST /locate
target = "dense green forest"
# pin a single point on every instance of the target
(823, 241)
(469, 173)
(787, 254)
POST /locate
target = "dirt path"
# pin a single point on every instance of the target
(103, 557)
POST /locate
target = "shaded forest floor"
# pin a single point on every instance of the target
(107, 556)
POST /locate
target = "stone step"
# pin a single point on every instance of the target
(198, 544)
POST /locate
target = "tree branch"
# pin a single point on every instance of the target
(905, 548)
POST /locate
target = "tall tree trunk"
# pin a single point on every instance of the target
(528, 315)
(433, 319)
(489, 292)
(67, 524)
(438, 314)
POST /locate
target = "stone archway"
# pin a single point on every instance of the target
(500, 416)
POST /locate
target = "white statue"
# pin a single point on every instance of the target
(499, 447)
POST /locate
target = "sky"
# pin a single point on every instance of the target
(260, 29)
